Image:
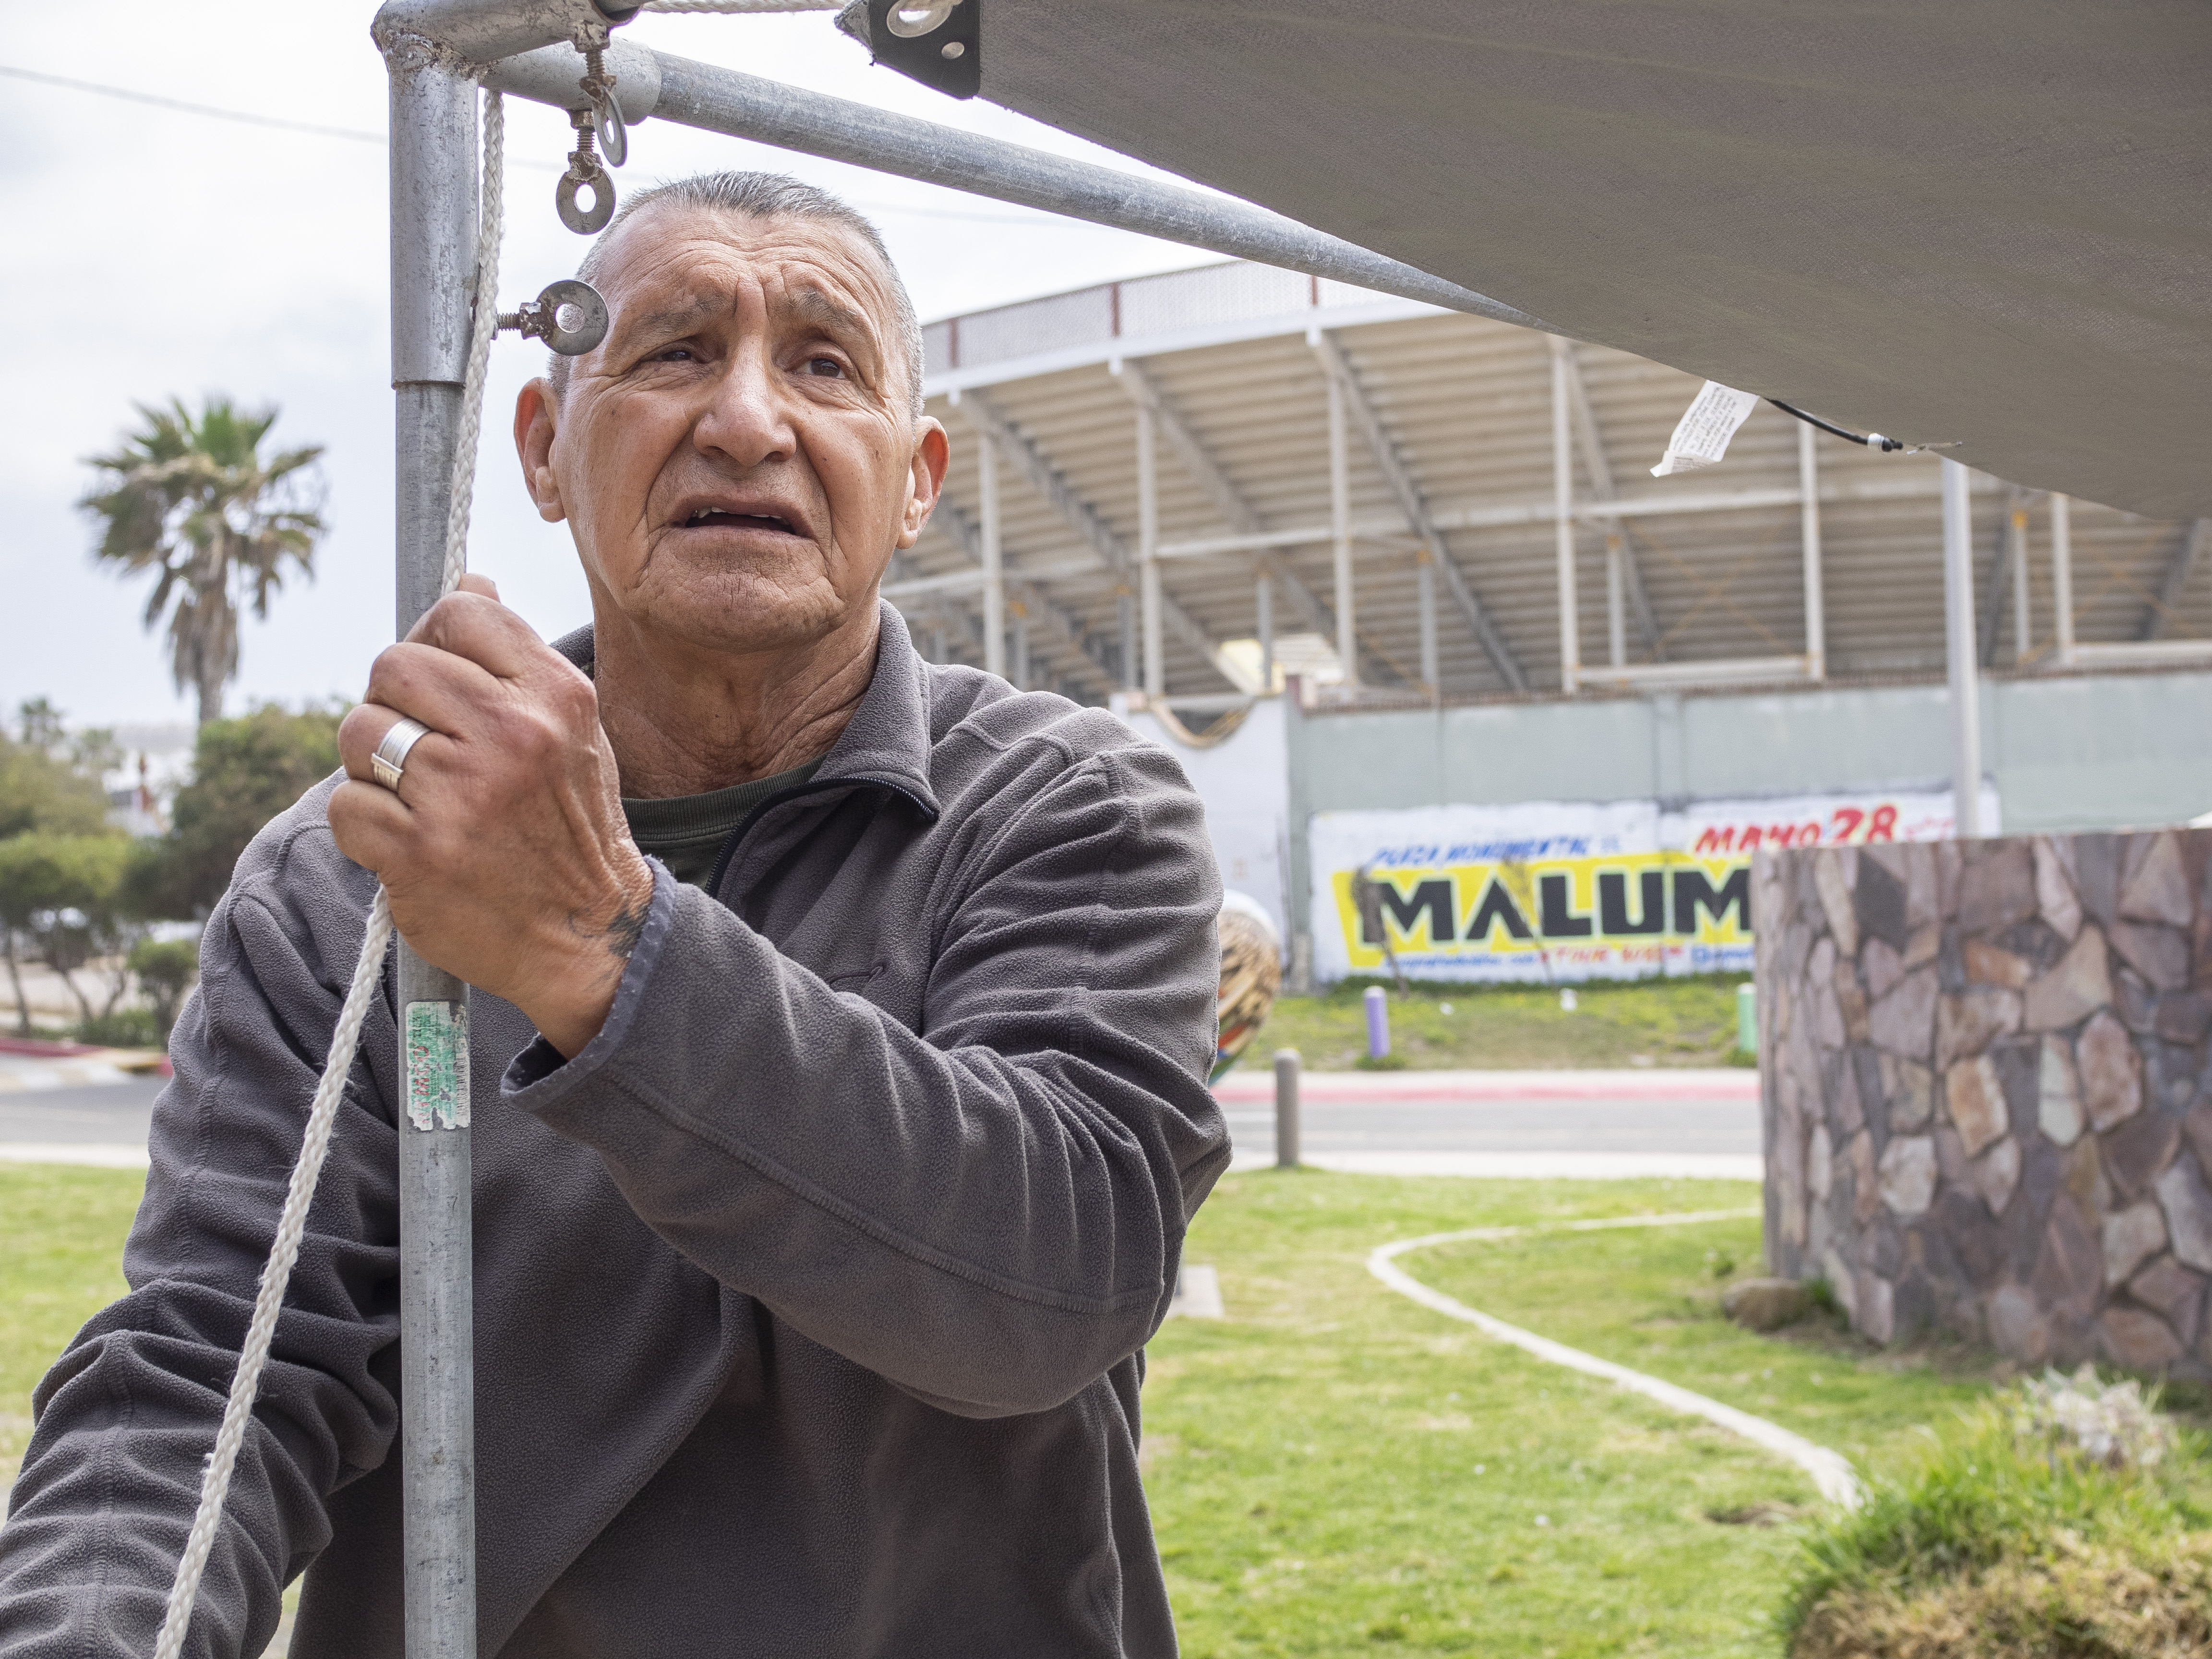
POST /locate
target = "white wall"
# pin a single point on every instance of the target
(1244, 782)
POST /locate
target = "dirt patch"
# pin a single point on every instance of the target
(1765, 1513)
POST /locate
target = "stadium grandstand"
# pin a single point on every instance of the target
(1258, 473)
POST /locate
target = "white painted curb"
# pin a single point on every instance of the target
(1831, 1471)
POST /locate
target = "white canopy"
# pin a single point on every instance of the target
(1985, 222)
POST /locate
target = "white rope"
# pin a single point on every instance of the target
(292, 1224)
(480, 339)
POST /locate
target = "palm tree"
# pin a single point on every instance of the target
(194, 500)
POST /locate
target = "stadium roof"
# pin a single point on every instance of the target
(1450, 445)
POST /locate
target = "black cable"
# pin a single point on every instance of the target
(1871, 439)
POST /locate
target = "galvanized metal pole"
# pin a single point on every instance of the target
(1339, 526)
(718, 100)
(994, 560)
(2061, 577)
(433, 256)
(1960, 644)
(1563, 516)
(1808, 520)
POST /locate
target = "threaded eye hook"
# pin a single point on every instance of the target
(569, 316)
(583, 171)
(600, 120)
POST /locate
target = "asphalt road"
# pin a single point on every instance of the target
(105, 1113)
(1504, 1123)
(1459, 1123)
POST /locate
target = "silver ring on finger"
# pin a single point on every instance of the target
(389, 760)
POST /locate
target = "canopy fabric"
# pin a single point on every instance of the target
(1984, 223)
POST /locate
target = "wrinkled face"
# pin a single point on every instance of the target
(739, 457)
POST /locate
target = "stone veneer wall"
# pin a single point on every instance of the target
(1983, 1089)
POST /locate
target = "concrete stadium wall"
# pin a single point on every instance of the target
(2069, 752)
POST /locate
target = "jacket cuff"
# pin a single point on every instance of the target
(538, 1076)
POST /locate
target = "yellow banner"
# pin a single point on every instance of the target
(1628, 912)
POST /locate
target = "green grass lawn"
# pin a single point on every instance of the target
(1336, 1470)
(61, 1262)
(1659, 1021)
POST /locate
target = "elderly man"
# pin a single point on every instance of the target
(839, 1052)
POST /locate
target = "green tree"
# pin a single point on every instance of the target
(61, 896)
(40, 789)
(245, 772)
(193, 499)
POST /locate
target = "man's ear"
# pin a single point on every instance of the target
(932, 454)
(533, 442)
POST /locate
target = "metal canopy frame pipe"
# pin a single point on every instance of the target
(747, 106)
(432, 149)
(515, 46)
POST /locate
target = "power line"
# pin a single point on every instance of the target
(357, 135)
(129, 96)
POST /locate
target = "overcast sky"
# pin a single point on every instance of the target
(153, 253)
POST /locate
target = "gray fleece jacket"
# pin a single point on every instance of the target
(810, 1296)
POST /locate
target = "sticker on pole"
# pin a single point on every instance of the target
(1701, 436)
(438, 1065)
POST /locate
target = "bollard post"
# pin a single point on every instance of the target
(1286, 1108)
(1378, 1022)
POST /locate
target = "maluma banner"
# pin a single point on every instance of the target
(1562, 890)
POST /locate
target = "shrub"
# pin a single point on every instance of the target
(123, 1028)
(2022, 1534)
(167, 969)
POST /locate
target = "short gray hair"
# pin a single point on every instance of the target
(764, 196)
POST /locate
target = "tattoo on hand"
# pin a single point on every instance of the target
(624, 928)
(621, 934)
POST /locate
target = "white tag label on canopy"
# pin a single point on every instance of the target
(1701, 436)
